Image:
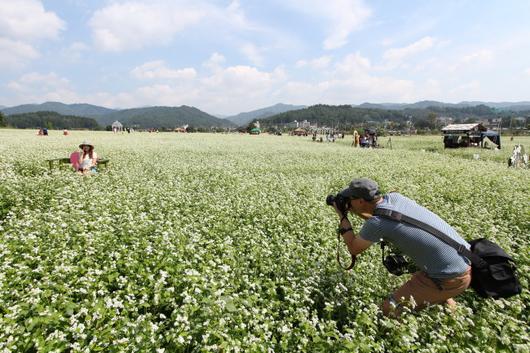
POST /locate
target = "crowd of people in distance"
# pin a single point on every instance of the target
(366, 140)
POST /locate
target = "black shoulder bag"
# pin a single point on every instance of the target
(493, 272)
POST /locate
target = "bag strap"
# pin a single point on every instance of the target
(460, 248)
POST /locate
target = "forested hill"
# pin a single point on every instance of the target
(78, 109)
(164, 117)
(50, 120)
(330, 115)
(346, 115)
(245, 118)
(509, 106)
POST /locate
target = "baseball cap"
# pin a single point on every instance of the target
(361, 188)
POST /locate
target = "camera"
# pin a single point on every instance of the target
(339, 200)
(396, 264)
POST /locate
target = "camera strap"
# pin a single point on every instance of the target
(353, 258)
(383, 244)
(460, 248)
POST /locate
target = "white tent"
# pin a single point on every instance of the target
(117, 126)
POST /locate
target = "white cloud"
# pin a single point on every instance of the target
(75, 51)
(527, 71)
(342, 17)
(353, 64)
(15, 53)
(130, 25)
(253, 53)
(214, 62)
(317, 64)
(481, 56)
(476, 60)
(37, 87)
(227, 90)
(397, 55)
(471, 89)
(133, 25)
(32, 80)
(27, 20)
(158, 70)
(22, 23)
(351, 80)
(242, 80)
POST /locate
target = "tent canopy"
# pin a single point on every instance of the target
(463, 128)
(493, 136)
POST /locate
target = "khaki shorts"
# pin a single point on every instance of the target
(427, 291)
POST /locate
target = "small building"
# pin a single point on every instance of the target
(117, 126)
(300, 132)
(255, 131)
(469, 135)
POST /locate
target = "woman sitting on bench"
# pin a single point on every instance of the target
(86, 160)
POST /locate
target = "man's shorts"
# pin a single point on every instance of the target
(427, 291)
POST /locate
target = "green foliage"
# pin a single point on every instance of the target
(164, 117)
(76, 109)
(223, 242)
(3, 122)
(50, 120)
(345, 115)
(348, 117)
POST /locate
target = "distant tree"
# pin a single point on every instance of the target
(2, 120)
(50, 120)
(431, 118)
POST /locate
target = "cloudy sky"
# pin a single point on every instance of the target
(225, 57)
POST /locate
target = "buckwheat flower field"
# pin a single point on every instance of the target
(223, 243)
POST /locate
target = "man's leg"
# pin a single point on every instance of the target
(424, 291)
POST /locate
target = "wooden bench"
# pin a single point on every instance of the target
(62, 162)
(57, 162)
(103, 162)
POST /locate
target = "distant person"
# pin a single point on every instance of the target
(45, 132)
(87, 159)
(65, 132)
(363, 141)
(355, 142)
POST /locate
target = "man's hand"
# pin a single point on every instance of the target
(339, 212)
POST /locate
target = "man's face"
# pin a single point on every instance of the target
(356, 206)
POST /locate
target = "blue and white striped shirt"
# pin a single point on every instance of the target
(429, 253)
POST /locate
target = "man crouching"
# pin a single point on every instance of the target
(443, 273)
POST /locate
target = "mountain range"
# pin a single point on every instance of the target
(245, 118)
(148, 117)
(163, 117)
(513, 106)
(170, 117)
(84, 110)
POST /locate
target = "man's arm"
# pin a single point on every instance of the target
(355, 244)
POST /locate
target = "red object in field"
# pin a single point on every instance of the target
(74, 160)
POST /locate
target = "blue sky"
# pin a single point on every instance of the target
(225, 57)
